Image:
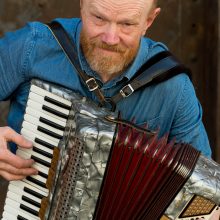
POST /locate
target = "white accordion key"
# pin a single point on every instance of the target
(39, 158)
(30, 189)
(42, 152)
(37, 138)
(40, 149)
(43, 169)
(41, 181)
(39, 166)
(49, 148)
(36, 185)
(42, 102)
(59, 124)
(8, 216)
(14, 189)
(15, 208)
(45, 93)
(15, 215)
(18, 198)
(34, 129)
(36, 121)
(47, 111)
(46, 169)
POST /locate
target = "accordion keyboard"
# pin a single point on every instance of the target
(44, 124)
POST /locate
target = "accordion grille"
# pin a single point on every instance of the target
(68, 182)
(198, 206)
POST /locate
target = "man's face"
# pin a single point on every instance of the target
(111, 33)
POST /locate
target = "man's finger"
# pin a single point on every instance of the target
(216, 214)
(11, 135)
(14, 171)
(16, 161)
(10, 177)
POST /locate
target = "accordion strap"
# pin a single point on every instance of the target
(69, 49)
(159, 68)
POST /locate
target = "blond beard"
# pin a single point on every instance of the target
(111, 65)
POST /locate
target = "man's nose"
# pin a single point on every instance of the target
(111, 35)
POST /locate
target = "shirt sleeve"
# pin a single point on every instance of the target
(187, 125)
(15, 49)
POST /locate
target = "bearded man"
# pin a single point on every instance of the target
(111, 47)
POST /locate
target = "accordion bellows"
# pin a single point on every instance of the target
(109, 168)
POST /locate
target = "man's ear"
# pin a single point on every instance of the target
(150, 19)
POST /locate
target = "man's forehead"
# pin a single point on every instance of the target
(137, 7)
(121, 3)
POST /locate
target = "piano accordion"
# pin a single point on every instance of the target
(94, 165)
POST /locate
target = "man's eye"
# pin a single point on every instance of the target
(127, 24)
(99, 18)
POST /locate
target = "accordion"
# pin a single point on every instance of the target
(93, 165)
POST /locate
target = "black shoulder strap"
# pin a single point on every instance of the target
(157, 69)
(69, 49)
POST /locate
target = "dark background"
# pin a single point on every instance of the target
(190, 28)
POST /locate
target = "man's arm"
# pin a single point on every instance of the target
(187, 125)
(15, 50)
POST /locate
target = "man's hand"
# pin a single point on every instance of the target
(215, 216)
(13, 167)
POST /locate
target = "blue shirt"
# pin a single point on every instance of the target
(32, 52)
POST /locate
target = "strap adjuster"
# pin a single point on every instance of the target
(92, 84)
(126, 91)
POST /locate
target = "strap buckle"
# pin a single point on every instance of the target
(92, 84)
(127, 90)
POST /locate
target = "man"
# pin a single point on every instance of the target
(111, 48)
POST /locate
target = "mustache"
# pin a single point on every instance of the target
(113, 48)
